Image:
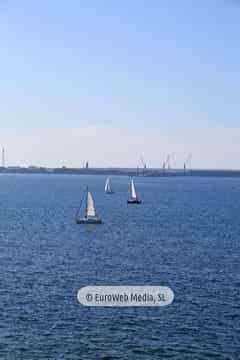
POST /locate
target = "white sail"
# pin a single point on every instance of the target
(133, 190)
(90, 205)
(108, 187)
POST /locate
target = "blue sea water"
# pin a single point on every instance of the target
(185, 236)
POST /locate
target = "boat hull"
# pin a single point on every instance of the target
(133, 201)
(88, 221)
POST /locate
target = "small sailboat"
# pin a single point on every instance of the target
(108, 187)
(133, 195)
(91, 216)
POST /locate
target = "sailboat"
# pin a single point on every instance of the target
(91, 216)
(108, 187)
(133, 195)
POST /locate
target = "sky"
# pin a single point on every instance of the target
(106, 81)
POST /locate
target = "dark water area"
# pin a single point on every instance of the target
(185, 235)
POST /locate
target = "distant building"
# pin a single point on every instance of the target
(3, 158)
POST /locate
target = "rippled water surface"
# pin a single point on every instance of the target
(185, 235)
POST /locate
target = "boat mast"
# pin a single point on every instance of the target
(86, 207)
(130, 186)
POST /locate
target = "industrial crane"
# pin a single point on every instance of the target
(186, 162)
(143, 163)
(166, 163)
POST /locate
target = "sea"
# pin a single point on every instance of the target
(185, 235)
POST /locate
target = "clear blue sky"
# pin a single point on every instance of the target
(156, 63)
(160, 64)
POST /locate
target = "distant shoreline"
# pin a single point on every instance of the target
(119, 171)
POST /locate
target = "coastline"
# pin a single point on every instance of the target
(121, 171)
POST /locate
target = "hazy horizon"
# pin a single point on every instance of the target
(122, 147)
